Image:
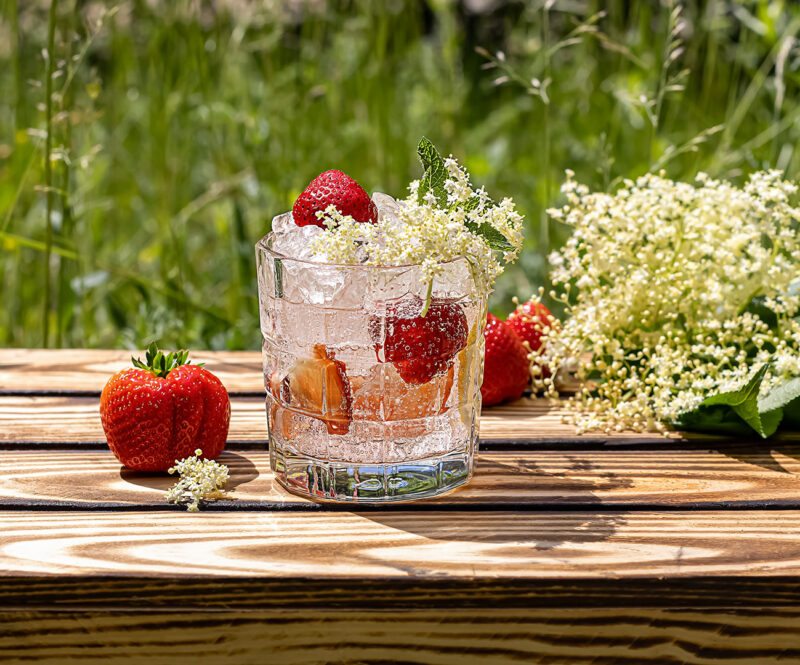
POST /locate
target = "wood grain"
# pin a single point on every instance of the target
(631, 479)
(76, 420)
(470, 545)
(456, 637)
(87, 370)
(140, 592)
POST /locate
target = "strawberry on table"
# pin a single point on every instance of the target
(420, 347)
(529, 321)
(506, 371)
(162, 410)
(337, 189)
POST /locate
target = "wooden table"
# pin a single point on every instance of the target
(564, 549)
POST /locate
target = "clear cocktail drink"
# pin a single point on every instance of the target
(367, 399)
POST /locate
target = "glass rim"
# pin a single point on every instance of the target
(263, 245)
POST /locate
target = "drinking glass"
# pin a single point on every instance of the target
(344, 423)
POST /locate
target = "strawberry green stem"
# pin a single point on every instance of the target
(160, 364)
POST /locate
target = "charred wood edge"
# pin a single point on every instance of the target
(132, 593)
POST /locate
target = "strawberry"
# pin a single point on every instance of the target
(420, 347)
(163, 410)
(529, 321)
(338, 189)
(506, 371)
(318, 387)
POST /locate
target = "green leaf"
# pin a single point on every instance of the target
(733, 412)
(427, 152)
(785, 396)
(435, 173)
(491, 235)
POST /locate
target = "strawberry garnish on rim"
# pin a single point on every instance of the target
(318, 386)
(337, 189)
(420, 347)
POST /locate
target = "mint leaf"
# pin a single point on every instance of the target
(491, 235)
(435, 173)
(428, 153)
(733, 412)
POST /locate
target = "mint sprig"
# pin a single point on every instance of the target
(433, 179)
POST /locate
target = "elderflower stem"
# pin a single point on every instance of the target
(428, 298)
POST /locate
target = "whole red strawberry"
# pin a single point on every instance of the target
(506, 371)
(338, 189)
(420, 347)
(163, 410)
(529, 321)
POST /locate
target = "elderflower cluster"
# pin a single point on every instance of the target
(673, 292)
(200, 480)
(426, 233)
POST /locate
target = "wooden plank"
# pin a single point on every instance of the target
(47, 371)
(202, 593)
(541, 479)
(76, 420)
(450, 545)
(455, 637)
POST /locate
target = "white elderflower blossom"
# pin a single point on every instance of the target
(200, 480)
(673, 292)
(427, 233)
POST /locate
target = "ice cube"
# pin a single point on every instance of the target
(283, 223)
(454, 280)
(295, 242)
(388, 208)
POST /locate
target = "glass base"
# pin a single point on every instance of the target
(332, 480)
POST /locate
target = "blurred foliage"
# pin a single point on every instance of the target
(179, 128)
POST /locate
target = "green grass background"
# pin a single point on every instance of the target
(177, 129)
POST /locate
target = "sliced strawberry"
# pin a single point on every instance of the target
(338, 189)
(506, 371)
(420, 347)
(319, 387)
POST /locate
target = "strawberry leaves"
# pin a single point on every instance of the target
(161, 364)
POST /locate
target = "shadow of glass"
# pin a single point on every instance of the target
(559, 510)
(242, 470)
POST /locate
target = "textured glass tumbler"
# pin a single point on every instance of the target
(347, 420)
